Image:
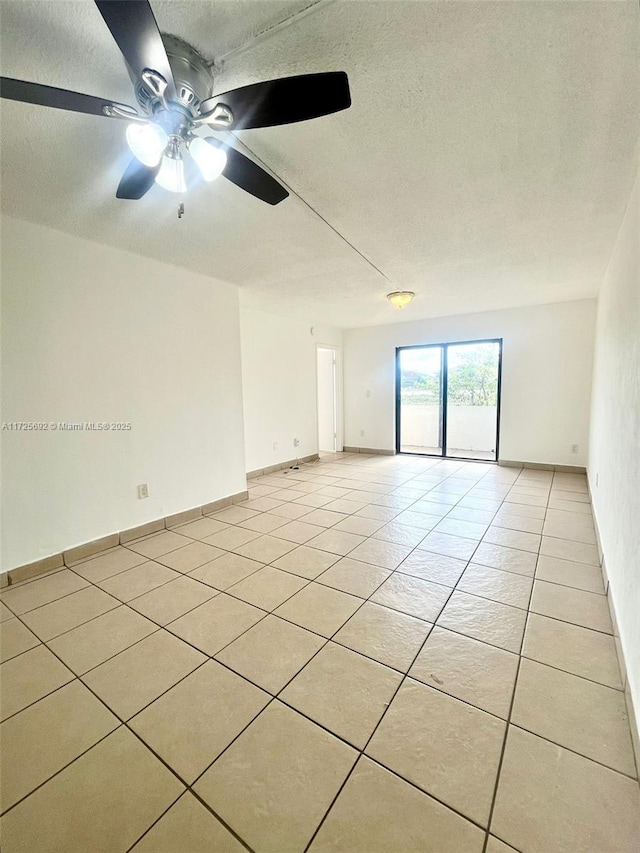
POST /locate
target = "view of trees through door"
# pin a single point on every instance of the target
(448, 398)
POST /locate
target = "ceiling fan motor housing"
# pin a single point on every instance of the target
(191, 74)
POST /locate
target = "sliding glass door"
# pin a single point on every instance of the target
(420, 406)
(448, 398)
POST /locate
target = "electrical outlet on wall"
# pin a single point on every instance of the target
(575, 448)
(361, 433)
(275, 445)
(143, 491)
(296, 442)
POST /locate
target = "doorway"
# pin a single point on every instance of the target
(328, 378)
(448, 399)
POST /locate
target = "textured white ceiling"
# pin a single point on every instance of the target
(485, 162)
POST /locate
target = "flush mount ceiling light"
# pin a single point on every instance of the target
(400, 298)
(174, 86)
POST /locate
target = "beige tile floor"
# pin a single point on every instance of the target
(370, 655)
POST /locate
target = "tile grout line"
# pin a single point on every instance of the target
(124, 724)
(384, 713)
(185, 793)
(474, 483)
(570, 749)
(283, 618)
(185, 574)
(511, 704)
(92, 583)
(275, 697)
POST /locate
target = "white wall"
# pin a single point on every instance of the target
(546, 377)
(279, 385)
(91, 333)
(614, 451)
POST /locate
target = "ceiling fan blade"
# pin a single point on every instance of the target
(133, 26)
(286, 100)
(247, 175)
(137, 180)
(61, 99)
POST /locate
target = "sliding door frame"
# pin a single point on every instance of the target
(444, 367)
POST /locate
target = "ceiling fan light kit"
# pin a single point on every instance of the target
(209, 158)
(147, 142)
(171, 172)
(400, 298)
(174, 88)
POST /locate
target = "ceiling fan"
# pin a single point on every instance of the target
(174, 86)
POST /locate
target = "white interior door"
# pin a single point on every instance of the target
(327, 400)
